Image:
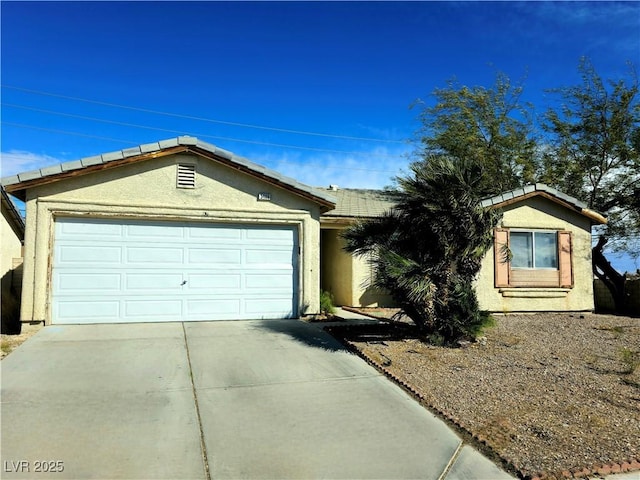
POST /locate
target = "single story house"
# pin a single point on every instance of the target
(181, 230)
(12, 231)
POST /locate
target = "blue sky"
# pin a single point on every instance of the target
(328, 83)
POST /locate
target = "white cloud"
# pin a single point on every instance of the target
(582, 13)
(372, 169)
(17, 161)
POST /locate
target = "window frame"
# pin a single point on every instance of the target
(533, 232)
(507, 276)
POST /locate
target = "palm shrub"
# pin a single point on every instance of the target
(427, 250)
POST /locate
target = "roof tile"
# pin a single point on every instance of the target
(131, 152)
(33, 174)
(111, 156)
(170, 142)
(10, 180)
(72, 165)
(359, 203)
(149, 147)
(52, 170)
(187, 140)
(221, 152)
(88, 161)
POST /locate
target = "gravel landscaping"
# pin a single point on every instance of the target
(549, 394)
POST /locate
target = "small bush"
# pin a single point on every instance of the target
(326, 303)
(630, 359)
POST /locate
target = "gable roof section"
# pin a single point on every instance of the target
(542, 190)
(13, 217)
(17, 184)
(359, 203)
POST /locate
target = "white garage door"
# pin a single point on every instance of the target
(139, 271)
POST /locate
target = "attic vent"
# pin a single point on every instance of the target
(186, 176)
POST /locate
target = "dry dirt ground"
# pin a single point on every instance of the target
(9, 343)
(547, 393)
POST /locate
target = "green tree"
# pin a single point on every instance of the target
(594, 155)
(490, 126)
(427, 250)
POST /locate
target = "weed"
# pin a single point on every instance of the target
(617, 330)
(630, 359)
(326, 303)
(6, 347)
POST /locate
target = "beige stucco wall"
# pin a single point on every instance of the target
(539, 212)
(337, 265)
(347, 277)
(148, 190)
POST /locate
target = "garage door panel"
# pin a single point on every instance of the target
(89, 282)
(215, 256)
(155, 255)
(226, 281)
(137, 271)
(212, 233)
(269, 282)
(274, 234)
(88, 311)
(137, 310)
(260, 308)
(78, 226)
(162, 233)
(89, 255)
(275, 258)
(153, 282)
(223, 307)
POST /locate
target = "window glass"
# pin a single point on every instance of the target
(546, 250)
(521, 250)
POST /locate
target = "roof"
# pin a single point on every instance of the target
(17, 184)
(14, 218)
(359, 203)
(540, 189)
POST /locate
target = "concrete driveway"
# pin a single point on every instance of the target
(250, 399)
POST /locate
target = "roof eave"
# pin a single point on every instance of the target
(18, 186)
(594, 216)
(85, 167)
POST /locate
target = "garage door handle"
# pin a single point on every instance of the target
(184, 282)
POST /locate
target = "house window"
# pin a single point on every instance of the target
(186, 176)
(534, 249)
(533, 258)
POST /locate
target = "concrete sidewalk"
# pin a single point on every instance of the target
(254, 399)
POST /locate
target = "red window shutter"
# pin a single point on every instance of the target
(501, 260)
(565, 259)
